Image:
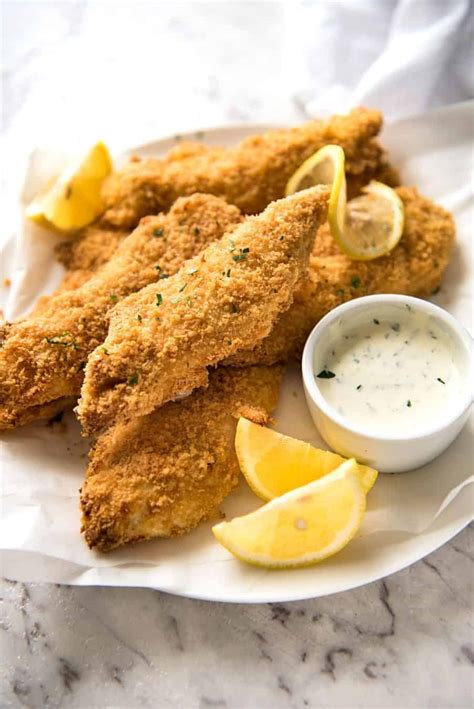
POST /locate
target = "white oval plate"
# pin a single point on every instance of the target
(404, 520)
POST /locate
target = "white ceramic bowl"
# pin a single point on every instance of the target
(385, 453)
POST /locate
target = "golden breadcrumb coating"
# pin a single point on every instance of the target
(250, 175)
(414, 267)
(162, 339)
(85, 253)
(162, 474)
(42, 357)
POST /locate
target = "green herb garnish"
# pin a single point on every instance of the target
(242, 255)
(58, 340)
(325, 374)
(376, 322)
(196, 230)
(113, 297)
(355, 281)
(139, 317)
(440, 380)
(408, 402)
(133, 379)
(359, 387)
(158, 232)
(159, 299)
(180, 290)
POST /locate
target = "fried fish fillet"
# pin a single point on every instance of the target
(162, 339)
(42, 357)
(250, 175)
(84, 254)
(162, 474)
(414, 267)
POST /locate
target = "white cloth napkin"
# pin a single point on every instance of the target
(403, 56)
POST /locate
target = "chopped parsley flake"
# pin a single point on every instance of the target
(105, 350)
(113, 297)
(180, 290)
(133, 379)
(158, 232)
(59, 340)
(376, 322)
(228, 273)
(355, 281)
(139, 317)
(440, 380)
(242, 255)
(282, 238)
(359, 387)
(159, 299)
(408, 403)
(196, 230)
(325, 374)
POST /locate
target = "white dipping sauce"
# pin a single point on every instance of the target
(392, 374)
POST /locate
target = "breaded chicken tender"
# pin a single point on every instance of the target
(414, 267)
(252, 174)
(162, 339)
(42, 357)
(162, 474)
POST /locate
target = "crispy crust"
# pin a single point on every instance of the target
(162, 474)
(42, 357)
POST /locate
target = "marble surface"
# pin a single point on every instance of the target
(72, 71)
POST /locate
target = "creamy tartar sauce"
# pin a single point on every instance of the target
(391, 376)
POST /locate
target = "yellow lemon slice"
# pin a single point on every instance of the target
(74, 198)
(366, 227)
(303, 526)
(274, 464)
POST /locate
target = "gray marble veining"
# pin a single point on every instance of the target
(131, 72)
(406, 641)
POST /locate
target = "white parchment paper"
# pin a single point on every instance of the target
(408, 515)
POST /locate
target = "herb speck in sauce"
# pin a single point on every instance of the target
(325, 374)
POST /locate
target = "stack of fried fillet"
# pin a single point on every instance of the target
(182, 303)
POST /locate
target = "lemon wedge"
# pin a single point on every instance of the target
(274, 464)
(366, 227)
(303, 526)
(73, 200)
